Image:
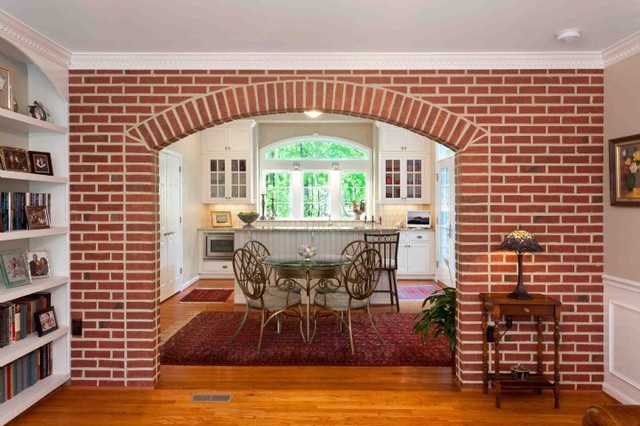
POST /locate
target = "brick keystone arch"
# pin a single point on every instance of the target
(249, 100)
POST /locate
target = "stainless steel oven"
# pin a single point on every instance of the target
(218, 245)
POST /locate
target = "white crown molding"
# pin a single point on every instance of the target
(340, 61)
(28, 39)
(621, 50)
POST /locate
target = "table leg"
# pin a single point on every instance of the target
(308, 290)
(485, 352)
(497, 387)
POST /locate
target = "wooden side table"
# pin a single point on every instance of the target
(499, 305)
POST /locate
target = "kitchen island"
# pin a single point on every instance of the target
(285, 240)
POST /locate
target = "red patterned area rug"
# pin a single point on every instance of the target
(206, 340)
(207, 295)
(416, 292)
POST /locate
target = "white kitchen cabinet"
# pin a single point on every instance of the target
(229, 138)
(398, 140)
(404, 179)
(226, 179)
(227, 163)
(20, 131)
(416, 255)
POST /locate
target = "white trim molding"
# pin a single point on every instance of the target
(621, 283)
(621, 50)
(28, 39)
(338, 61)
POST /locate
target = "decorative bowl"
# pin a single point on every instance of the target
(248, 218)
(519, 372)
(307, 252)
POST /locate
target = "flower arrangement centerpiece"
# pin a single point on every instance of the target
(307, 252)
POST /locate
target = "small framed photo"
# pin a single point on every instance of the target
(46, 321)
(37, 217)
(39, 111)
(15, 272)
(41, 163)
(624, 171)
(15, 159)
(5, 88)
(38, 263)
(220, 219)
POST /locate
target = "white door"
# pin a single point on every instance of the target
(446, 224)
(170, 224)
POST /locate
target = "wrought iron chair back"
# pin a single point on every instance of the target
(362, 275)
(387, 245)
(250, 274)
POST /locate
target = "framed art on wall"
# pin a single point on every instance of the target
(220, 219)
(624, 171)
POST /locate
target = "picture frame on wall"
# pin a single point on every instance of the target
(38, 263)
(221, 219)
(5, 88)
(37, 217)
(624, 171)
(41, 163)
(15, 159)
(13, 267)
(46, 321)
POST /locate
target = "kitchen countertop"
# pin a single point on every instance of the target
(286, 228)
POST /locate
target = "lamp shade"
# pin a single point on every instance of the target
(520, 241)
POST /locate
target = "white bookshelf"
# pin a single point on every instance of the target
(19, 130)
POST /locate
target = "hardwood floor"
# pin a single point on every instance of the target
(301, 395)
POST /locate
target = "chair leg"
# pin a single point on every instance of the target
(373, 324)
(262, 326)
(244, 320)
(389, 274)
(353, 350)
(395, 290)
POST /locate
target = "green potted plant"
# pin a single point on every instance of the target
(438, 315)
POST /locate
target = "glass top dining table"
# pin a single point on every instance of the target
(318, 271)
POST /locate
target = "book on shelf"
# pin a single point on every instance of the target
(17, 317)
(25, 371)
(12, 208)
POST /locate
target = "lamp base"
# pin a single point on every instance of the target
(519, 294)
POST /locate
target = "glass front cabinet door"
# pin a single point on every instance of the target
(226, 179)
(404, 180)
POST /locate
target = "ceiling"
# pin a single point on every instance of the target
(347, 26)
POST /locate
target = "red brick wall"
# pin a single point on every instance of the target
(530, 152)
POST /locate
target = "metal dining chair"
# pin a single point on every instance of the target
(387, 245)
(252, 280)
(359, 281)
(351, 250)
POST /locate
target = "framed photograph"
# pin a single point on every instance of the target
(624, 171)
(41, 163)
(15, 159)
(38, 111)
(37, 217)
(38, 263)
(5, 88)
(46, 321)
(14, 269)
(220, 219)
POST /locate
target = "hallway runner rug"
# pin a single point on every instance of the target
(206, 340)
(207, 295)
(416, 292)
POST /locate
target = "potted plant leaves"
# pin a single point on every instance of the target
(438, 316)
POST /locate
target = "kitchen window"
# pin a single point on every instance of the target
(315, 178)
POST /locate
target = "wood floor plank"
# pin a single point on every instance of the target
(308, 395)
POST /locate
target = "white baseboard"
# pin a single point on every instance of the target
(618, 396)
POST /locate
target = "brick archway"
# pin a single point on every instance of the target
(373, 102)
(250, 100)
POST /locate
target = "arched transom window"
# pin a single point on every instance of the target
(315, 177)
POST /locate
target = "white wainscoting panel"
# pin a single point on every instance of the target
(622, 339)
